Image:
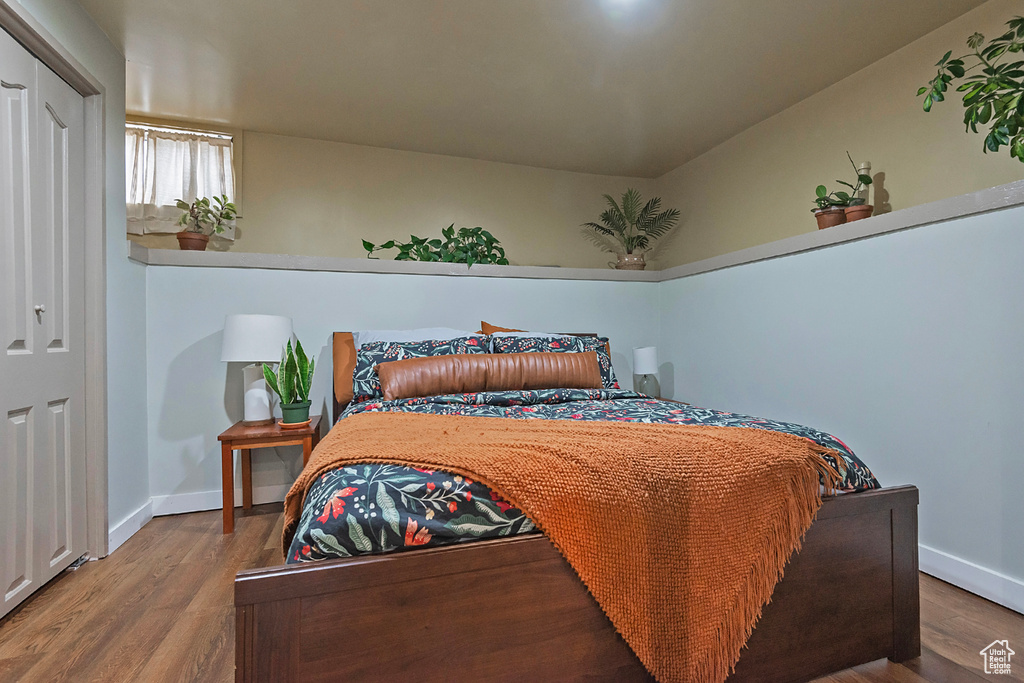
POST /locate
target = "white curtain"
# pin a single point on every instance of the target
(163, 166)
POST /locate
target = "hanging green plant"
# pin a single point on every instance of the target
(993, 95)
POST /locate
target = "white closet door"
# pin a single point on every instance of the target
(42, 358)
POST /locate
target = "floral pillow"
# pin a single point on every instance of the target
(501, 344)
(366, 384)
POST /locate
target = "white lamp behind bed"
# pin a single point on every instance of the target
(645, 364)
(255, 339)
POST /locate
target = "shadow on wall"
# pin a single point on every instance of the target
(664, 245)
(667, 380)
(619, 361)
(233, 392)
(184, 420)
(881, 196)
(189, 398)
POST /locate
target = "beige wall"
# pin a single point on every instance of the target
(758, 186)
(313, 197)
(303, 196)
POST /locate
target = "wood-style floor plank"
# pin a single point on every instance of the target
(161, 609)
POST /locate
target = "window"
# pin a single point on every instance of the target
(166, 164)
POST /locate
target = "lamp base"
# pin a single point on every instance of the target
(257, 399)
(648, 385)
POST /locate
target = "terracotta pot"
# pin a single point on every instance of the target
(830, 217)
(630, 262)
(855, 213)
(193, 241)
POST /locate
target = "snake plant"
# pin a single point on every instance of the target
(293, 377)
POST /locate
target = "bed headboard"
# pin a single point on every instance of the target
(344, 355)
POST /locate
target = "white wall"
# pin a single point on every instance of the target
(909, 347)
(128, 478)
(193, 396)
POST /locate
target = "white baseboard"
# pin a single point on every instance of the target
(198, 501)
(121, 532)
(999, 588)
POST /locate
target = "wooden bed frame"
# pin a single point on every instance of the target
(513, 609)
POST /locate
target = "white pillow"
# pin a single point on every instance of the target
(422, 334)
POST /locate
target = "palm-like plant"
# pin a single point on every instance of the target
(294, 375)
(633, 224)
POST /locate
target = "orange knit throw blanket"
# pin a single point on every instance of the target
(679, 532)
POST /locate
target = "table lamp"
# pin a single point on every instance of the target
(255, 339)
(645, 364)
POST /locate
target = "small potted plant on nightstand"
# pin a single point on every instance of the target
(291, 382)
(203, 218)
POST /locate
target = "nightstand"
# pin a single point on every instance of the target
(244, 438)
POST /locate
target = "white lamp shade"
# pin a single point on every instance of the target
(255, 338)
(645, 360)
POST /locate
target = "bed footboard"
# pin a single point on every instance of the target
(513, 609)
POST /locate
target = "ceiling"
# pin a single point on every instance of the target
(616, 87)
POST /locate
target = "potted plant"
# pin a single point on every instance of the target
(291, 383)
(829, 210)
(468, 245)
(633, 226)
(838, 207)
(993, 96)
(203, 218)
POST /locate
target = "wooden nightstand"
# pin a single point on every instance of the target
(245, 438)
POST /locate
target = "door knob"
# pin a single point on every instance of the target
(40, 308)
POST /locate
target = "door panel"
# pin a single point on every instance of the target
(42, 325)
(15, 221)
(18, 575)
(58, 226)
(59, 465)
(54, 143)
(16, 570)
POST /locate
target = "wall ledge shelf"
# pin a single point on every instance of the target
(983, 201)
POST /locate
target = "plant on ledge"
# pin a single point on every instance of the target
(468, 245)
(291, 382)
(993, 96)
(634, 226)
(203, 218)
(840, 206)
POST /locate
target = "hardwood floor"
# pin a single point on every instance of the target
(160, 609)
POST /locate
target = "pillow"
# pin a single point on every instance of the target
(366, 384)
(489, 329)
(564, 344)
(363, 337)
(472, 373)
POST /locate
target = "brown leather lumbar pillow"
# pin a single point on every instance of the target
(470, 373)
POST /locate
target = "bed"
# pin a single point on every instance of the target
(507, 606)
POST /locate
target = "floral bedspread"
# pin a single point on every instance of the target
(369, 508)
